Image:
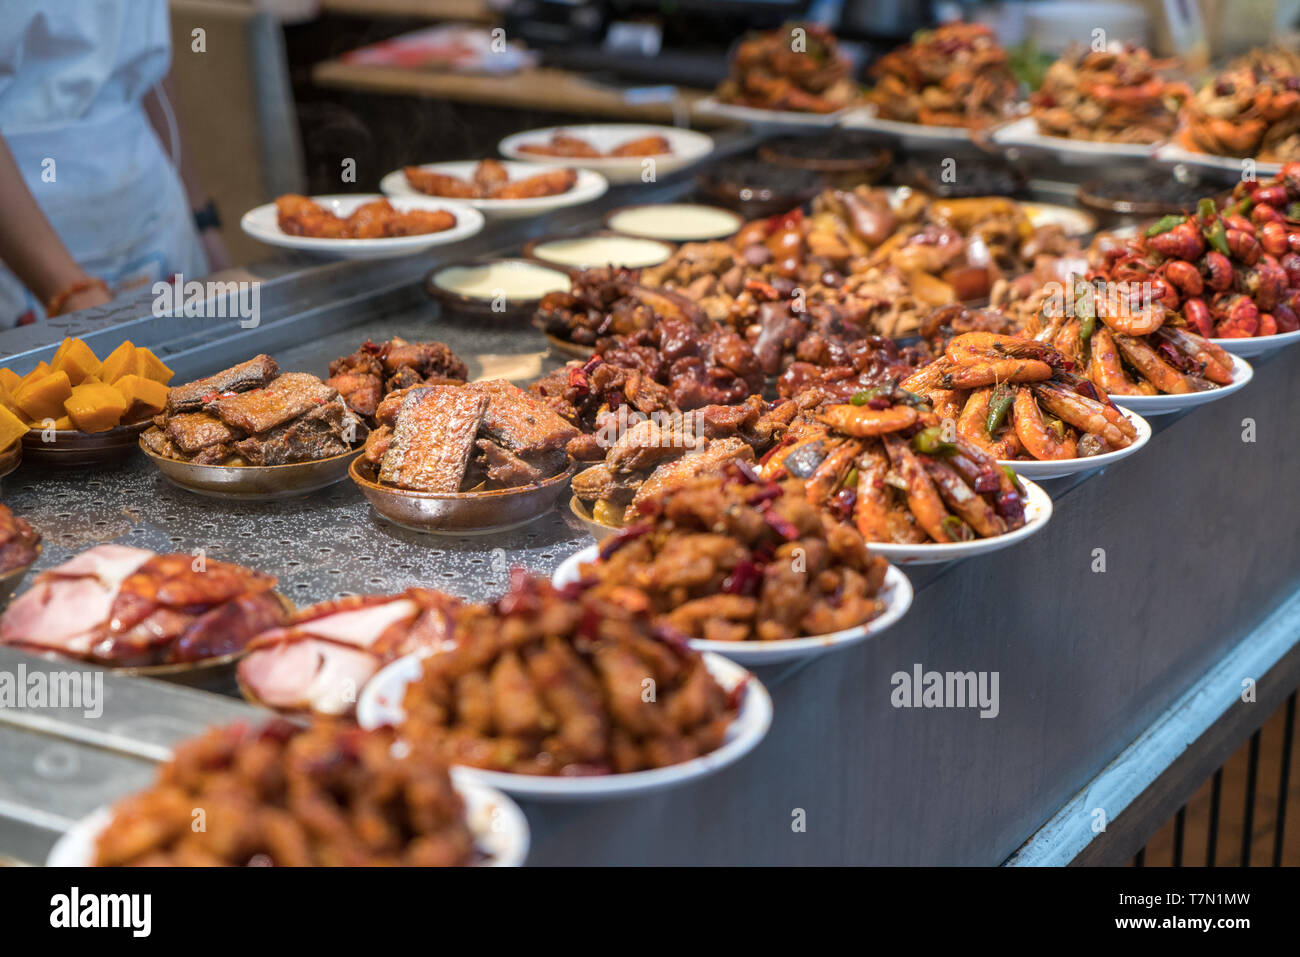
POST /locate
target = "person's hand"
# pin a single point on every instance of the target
(82, 293)
(94, 296)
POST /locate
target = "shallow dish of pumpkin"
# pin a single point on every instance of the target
(78, 410)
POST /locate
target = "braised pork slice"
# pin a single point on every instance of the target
(434, 436)
(253, 374)
(285, 398)
(320, 433)
(519, 421)
(193, 431)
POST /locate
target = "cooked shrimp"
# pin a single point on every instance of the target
(922, 497)
(644, 146)
(1040, 439)
(1215, 363)
(973, 375)
(1129, 320)
(1087, 415)
(1145, 359)
(947, 403)
(863, 421)
(875, 513)
(1104, 366)
(926, 379)
(991, 345)
(973, 424)
(826, 478)
(961, 498)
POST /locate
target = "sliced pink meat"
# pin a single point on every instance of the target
(321, 676)
(362, 626)
(111, 564)
(62, 614)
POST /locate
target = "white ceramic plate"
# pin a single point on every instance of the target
(688, 147)
(915, 135)
(1024, 133)
(381, 703)
(1034, 469)
(590, 185)
(897, 595)
(263, 225)
(1258, 345)
(1038, 510)
(1173, 153)
(1163, 404)
(770, 120)
(500, 829)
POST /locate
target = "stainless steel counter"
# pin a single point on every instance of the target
(1199, 533)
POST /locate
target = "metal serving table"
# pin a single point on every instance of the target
(1200, 547)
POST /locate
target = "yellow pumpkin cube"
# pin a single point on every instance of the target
(12, 428)
(151, 367)
(77, 360)
(64, 424)
(40, 372)
(144, 397)
(95, 407)
(121, 361)
(10, 380)
(43, 398)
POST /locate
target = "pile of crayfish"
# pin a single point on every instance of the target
(1228, 273)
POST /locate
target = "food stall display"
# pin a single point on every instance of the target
(482, 549)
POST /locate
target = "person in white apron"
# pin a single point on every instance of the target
(74, 77)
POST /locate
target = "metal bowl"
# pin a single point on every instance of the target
(458, 513)
(72, 449)
(10, 580)
(254, 483)
(11, 458)
(598, 530)
(569, 348)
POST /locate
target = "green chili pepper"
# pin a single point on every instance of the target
(1057, 426)
(1293, 211)
(957, 529)
(851, 480)
(1164, 224)
(1217, 236)
(999, 405)
(1205, 209)
(1086, 325)
(930, 441)
(863, 396)
(1010, 473)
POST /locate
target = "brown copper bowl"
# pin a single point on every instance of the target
(582, 512)
(254, 483)
(11, 458)
(72, 449)
(458, 513)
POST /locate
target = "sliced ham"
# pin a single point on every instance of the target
(110, 564)
(321, 661)
(364, 625)
(310, 674)
(61, 614)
